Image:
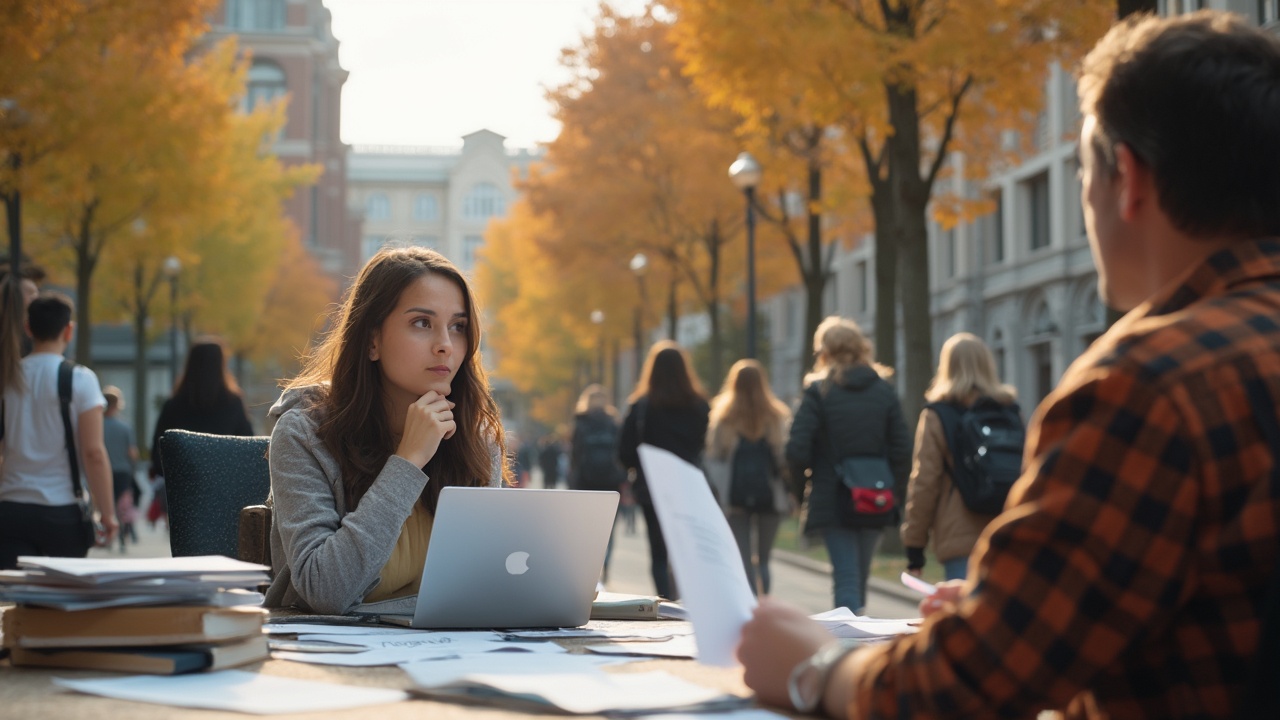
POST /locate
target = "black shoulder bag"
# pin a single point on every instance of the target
(868, 480)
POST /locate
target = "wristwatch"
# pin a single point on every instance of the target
(808, 680)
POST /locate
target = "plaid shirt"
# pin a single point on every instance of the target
(1127, 575)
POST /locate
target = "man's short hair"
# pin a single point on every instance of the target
(1196, 98)
(48, 315)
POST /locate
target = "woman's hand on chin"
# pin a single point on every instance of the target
(427, 421)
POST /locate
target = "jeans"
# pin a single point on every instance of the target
(850, 550)
(956, 568)
(766, 525)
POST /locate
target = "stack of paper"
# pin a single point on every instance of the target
(843, 623)
(622, 606)
(153, 615)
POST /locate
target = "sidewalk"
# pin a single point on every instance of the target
(824, 568)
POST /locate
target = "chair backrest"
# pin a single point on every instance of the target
(208, 479)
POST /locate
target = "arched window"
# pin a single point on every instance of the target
(1041, 330)
(266, 83)
(425, 207)
(484, 201)
(377, 207)
(255, 15)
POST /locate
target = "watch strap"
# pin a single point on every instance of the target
(819, 667)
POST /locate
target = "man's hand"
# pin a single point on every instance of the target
(776, 639)
(945, 599)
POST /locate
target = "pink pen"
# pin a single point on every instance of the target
(917, 584)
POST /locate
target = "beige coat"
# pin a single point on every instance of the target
(933, 504)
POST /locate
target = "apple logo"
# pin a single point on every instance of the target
(518, 563)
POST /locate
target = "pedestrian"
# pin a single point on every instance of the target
(849, 440)
(395, 394)
(53, 448)
(1133, 572)
(746, 437)
(28, 288)
(593, 451)
(549, 454)
(205, 399)
(668, 410)
(118, 437)
(966, 380)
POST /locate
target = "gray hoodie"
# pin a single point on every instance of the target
(326, 559)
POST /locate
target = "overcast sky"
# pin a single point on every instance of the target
(427, 72)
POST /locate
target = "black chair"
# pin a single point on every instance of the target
(209, 479)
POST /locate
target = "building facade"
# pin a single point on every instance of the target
(1020, 277)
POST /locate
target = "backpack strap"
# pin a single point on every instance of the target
(1261, 697)
(949, 416)
(64, 402)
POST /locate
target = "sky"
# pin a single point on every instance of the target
(427, 72)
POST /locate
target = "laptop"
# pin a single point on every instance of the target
(514, 558)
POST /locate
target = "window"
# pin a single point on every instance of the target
(425, 207)
(994, 229)
(484, 201)
(471, 245)
(1038, 206)
(1042, 369)
(266, 82)
(860, 275)
(260, 15)
(377, 207)
(1077, 196)
(370, 245)
(1268, 11)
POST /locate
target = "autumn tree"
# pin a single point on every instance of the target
(910, 82)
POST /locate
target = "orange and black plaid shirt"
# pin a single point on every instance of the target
(1127, 576)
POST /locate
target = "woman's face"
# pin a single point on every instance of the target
(423, 341)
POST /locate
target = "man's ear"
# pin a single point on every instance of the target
(69, 332)
(1134, 182)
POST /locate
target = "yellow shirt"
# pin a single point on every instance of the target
(402, 575)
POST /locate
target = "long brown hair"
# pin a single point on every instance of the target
(668, 379)
(747, 404)
(353, 422)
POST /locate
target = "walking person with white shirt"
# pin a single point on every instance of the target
(39, 497)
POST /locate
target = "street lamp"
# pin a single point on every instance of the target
(639, 263)
(172, 267)
(745, 174)
(597, 318)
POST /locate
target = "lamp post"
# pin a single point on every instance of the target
(597, 319)
(172, 267)
(639, 264)
(745, 174)
(14, 117)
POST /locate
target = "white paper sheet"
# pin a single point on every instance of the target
(108, 569)
(383, 641)
(432, 673)
(415, 651)
(680, 647)
(590, 693)
(319, 629)
(637, 633)
(744, 714)
(236, 691)
(843, 623)
(704, 555)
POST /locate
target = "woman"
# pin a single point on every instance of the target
(392, 406)
(848, 412)
(668, 410)
(966, 374)
(593, 459)
(747, 433)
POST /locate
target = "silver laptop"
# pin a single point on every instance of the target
(508, 558)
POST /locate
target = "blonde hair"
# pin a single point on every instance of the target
(747, 404)
(594, 397)
(966, 372)
(839, 344)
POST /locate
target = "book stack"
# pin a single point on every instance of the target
(152, 615)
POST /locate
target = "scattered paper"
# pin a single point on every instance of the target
(383, 641)
(587, 693)
(680, 647)
(743, 714)
(843, 623)
(635, 631)
(415, 651)
(96, 570)
(433, 673)
(236, 691)
(704, 555)
(279, 628)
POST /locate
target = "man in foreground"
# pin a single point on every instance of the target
(1129, 573)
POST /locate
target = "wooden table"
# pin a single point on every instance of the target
(29, 693)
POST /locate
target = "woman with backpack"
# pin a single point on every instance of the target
(669, 411)
(965, 383)
(593, 453)
(747, 433)
(850, 447)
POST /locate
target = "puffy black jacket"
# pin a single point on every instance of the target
(680, 430)
(856, 414)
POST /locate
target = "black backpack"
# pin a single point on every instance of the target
(986, 442)
(598, 467)
(751, 476)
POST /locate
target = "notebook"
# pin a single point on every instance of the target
(514, 558)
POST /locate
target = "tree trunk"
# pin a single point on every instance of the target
(140, 313)
(85, 262)
(816, 275)
(917, 321)
(673, 310)
(886, 272)
(713, 300)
